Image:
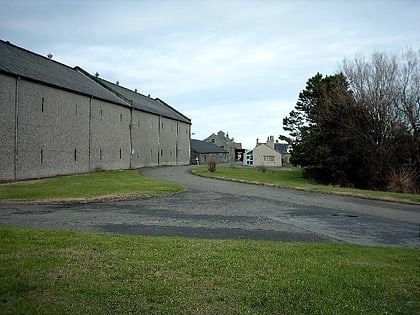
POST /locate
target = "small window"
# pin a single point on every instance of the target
(121, 118)
(42, 156)
(75, 155)
(268, 158)
(161, 152)
(42, 104)
(212, 140)
(100, 154)
(120, 153)
(102, 114)
(76, 110)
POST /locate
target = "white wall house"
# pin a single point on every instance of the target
(264, 154)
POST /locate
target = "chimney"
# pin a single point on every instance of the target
(257, 141)
(270, 141)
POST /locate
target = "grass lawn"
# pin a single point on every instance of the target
(56, 272)
(294, 179)
(91, 186)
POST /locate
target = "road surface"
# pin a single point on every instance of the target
(211, 208)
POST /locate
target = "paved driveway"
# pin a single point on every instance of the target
(212, 208)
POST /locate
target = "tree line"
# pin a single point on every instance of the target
(361, 126)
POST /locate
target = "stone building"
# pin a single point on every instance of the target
(202, 150)
(222, 140)
(57, 120)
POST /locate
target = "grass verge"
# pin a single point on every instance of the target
(294, 179)
(56, 272)
(87, 187)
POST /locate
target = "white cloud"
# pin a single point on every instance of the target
(236, 66)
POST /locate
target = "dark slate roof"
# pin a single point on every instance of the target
(142, 102)
(26, 64)
(281, 147)
(205, 147)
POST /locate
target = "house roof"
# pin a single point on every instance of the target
(22, 63)
(205, 147)
(142, 102)
(26, 64)
(281, 147)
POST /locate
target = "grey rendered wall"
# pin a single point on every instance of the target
(110, 136)
(168, 141)
(145, 137)
(53, 133)
(7, 126)
(184, 136)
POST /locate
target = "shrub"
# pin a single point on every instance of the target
(262, 168)
(403, 180)
(211, 164)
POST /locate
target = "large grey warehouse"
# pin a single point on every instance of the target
(58, 120)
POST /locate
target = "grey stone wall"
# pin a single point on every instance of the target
(110, 136)
(184, 136)
(60, 132)
(145, 135)
(7, 126)
(52, 132)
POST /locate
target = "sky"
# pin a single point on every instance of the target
(235, 66)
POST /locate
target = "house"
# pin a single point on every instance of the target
(58, 120)
(202, 150)
(264, 154)
(222, 140)
(284, 150)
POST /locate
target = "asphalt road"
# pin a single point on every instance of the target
(211, 208)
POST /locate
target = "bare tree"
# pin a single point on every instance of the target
(387, 88)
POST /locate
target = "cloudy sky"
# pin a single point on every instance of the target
(236, 66)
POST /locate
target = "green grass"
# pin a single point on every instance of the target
(56, 272)
(112, 184)
(294, 179)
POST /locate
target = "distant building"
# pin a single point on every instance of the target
(202, 150)
(222, 140)
(264, 154)
(58, 120)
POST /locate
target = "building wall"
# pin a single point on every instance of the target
(110, 136)
(7, 126)
(183, 143)
(61, 132)
(263, 150)
(220, 141)
(145, 135)
(167, 141)
(158, 141)
(52, 132)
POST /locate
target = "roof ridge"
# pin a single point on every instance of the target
(37, 54)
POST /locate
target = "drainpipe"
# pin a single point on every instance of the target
(16, 148)
(131, 139)
(159, 126)
(90, 133)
